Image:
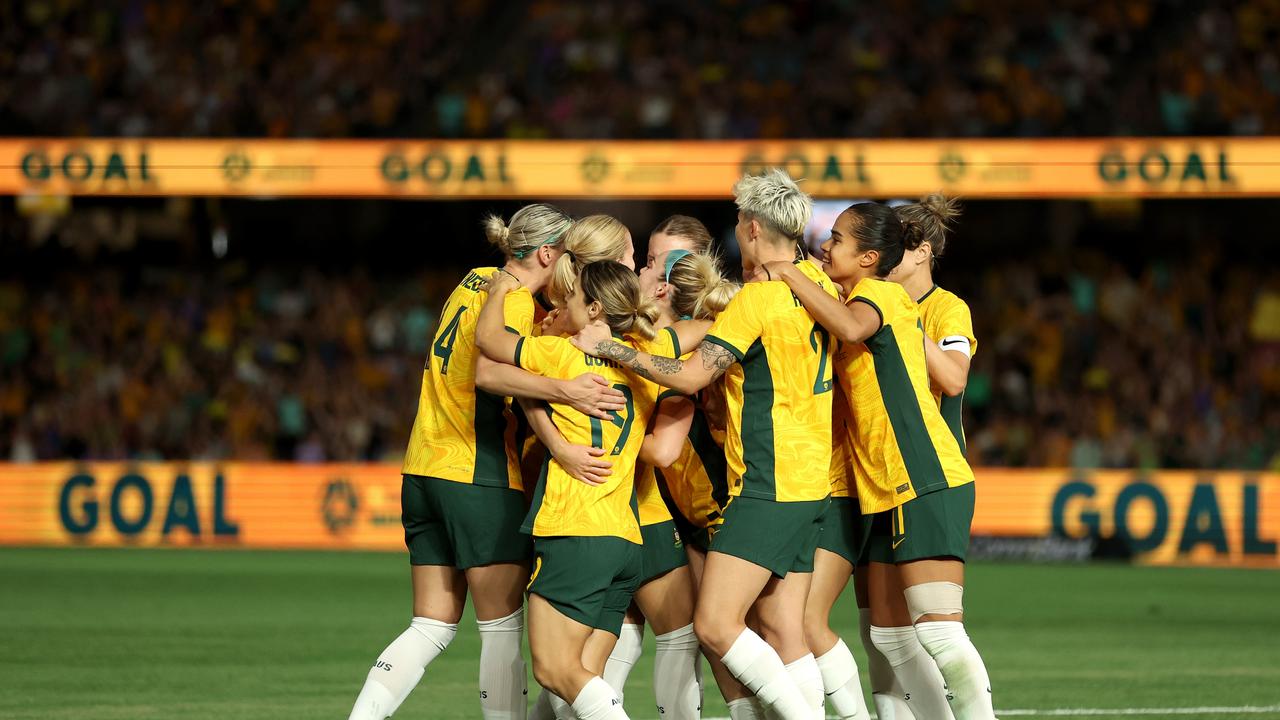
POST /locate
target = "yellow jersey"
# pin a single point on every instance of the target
(945, 316)
(696, 485)
(778, 394)
(563, 506)
(462, 433)
(902, 448)
(653, 509)
(841, 442)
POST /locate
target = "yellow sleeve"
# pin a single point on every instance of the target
(546, 356)
(870, 291)
(517, 312)
(957, 320)
(740, 324)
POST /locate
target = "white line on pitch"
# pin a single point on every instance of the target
(1104, 712)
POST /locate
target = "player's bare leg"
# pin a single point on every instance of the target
(667, 602)
(559, 646)
(840, 681)
(742, 703)
(781, 613)
(893, 634)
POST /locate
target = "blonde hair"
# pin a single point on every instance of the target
(701, 291)
(591, 239)
(689, 228)
(776, 201)
(617, 289)
(928, 221)
(530, 228)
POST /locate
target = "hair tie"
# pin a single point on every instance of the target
(686, 317)
(674, 257)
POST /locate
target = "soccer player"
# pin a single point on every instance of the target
(911, 475)
(687, 288)
(677, 232)
(778, 450)
(462, 500)
(947, 320)
(586, 537)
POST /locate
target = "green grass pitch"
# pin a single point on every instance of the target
(139, 634)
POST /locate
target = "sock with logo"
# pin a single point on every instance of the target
(624, 656)
(503, 678)
(841, 683)
(677, 675)
(400, 667)
(922, 685)
(958, 660)
(598, 701)
(886, 691)
(756, 665)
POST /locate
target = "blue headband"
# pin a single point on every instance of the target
(522, 254)
(674, 257)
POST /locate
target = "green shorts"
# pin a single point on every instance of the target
(779, 536)
(462, 525)
(692, 535)
(588, 579)
(930, 526)
(843, 529)
(662, 552)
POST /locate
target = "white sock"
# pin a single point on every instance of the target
(677, 675)
(503, 679)
(598, 701)
(757, 666)
(747, 708)
(806, 675)
(400, 667)
(841, 683)
(961, 666)
(542, 709)
(624, 656)
(886, 692)
(922, 684)
(562, 710)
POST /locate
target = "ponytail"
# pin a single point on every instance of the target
(700, 290)
(617, 289)
(531, 227)
(592, 239)
(928, 221)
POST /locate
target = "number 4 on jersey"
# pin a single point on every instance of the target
(443, 346)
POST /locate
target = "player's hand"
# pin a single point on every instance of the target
(592, 335)
(500, 282)
(772, 270)
(553, 323)
(584, 464)
(592, 395)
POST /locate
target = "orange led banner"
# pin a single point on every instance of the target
(527, 169)
(1163, 517)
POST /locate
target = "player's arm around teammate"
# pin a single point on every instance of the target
(911, 473)
(586, 538)
(462, 498)
(778, 450)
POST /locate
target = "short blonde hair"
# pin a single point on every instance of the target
(591, 239)
(776, 201)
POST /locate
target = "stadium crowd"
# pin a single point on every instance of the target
(1080, 362)
(638, 70)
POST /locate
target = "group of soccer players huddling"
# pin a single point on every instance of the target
(711, 459)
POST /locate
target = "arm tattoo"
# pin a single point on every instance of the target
(715, 357)
(624, 355)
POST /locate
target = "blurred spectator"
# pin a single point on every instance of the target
(1081, 361)
(725, 69)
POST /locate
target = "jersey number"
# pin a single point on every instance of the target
(820, 341)
(597, 428)
(443, 346)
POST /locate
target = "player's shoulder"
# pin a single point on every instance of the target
(942, 300)
(814, 272)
